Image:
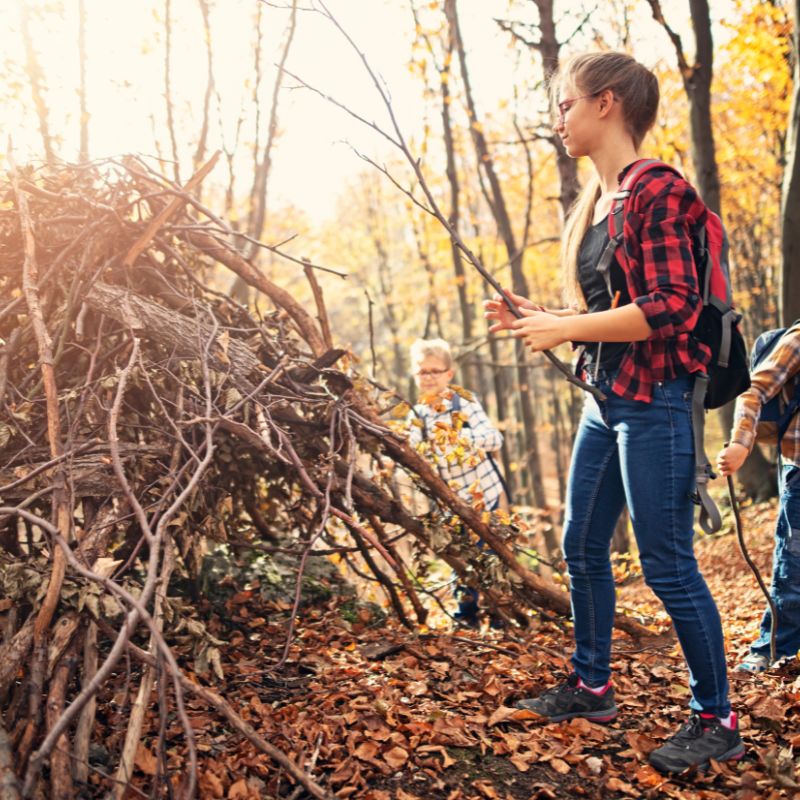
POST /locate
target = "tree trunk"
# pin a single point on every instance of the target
(34, 70)
(258, 195)
(697, 83)
(550, 50)
(790, 197)
(176, 171)
(519, 284)
(200, 151)
(454, 217)
(83, 148)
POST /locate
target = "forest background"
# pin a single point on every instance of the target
(179, 79)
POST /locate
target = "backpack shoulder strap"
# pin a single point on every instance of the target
(634, 174)
(616, 216)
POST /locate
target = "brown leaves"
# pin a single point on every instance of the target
(387, 715)
(145, 760)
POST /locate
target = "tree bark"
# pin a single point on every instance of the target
(454, 217)
(519, 284)
(176, 171)
(200, 151)
(34, 71)
(83, 147)
(697, 83)
(549, 49)
(790, 196)
(261, 178)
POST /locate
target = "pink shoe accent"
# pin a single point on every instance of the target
(598, 690)
(729, 723)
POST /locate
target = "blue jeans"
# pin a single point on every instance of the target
(785, 589)
(467, 597)
(642, 454)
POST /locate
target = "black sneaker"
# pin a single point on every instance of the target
(700, 739)
(569, 700)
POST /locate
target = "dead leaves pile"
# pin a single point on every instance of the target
(381, 714)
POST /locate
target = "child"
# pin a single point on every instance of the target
(635, 447)
(475, 476)
(775, 374)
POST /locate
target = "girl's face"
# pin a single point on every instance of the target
(574, 120)
(432, 375)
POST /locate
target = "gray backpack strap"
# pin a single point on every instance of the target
(709, 519)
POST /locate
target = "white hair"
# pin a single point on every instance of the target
(438, 348)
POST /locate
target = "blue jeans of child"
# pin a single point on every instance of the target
(469, 598)
(785, 589)
(642, 454)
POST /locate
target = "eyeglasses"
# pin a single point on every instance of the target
(428, 373)
(566, 105)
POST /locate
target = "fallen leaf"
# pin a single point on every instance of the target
(648, 776)
(486, 789)
(366, 751)
(560, 766)
(768, 708)
(238, 790)
(211, 785)
(396, 757)
(146, 760)
(520, 761)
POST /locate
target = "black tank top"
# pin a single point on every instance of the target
(596, 294)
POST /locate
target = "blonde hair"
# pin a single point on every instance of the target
(438, 348)
(636, 87)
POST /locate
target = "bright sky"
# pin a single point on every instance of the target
(312, 164)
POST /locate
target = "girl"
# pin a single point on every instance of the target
(636, 446)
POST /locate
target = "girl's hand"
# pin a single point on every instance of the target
(540, 330)
(730, 458)
(497, 309)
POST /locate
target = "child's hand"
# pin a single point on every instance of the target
(730, 458)
(497, 309)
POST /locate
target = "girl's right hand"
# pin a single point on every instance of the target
(497, 309)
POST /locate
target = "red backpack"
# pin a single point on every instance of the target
(717, 326)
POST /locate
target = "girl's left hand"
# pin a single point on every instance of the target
(540, 330)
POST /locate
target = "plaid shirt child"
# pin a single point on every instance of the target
(459, 450)
(660, 275)
(773, 375)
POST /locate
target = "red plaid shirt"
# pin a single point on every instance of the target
(658, 263)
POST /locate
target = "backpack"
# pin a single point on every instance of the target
(717, 326)
(718, 323)
(774, 410)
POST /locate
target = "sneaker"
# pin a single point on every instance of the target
(698, 740)
(470, 621)
(570, 700)
(752, 662)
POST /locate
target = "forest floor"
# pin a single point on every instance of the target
(374, 711)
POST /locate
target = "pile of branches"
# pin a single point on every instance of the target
(142, 413)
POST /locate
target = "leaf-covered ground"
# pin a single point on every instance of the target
(372, 711)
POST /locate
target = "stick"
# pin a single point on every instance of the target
(83, 734)
(142, 702)
(224, 708)
(169, 211)
(743, 547)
